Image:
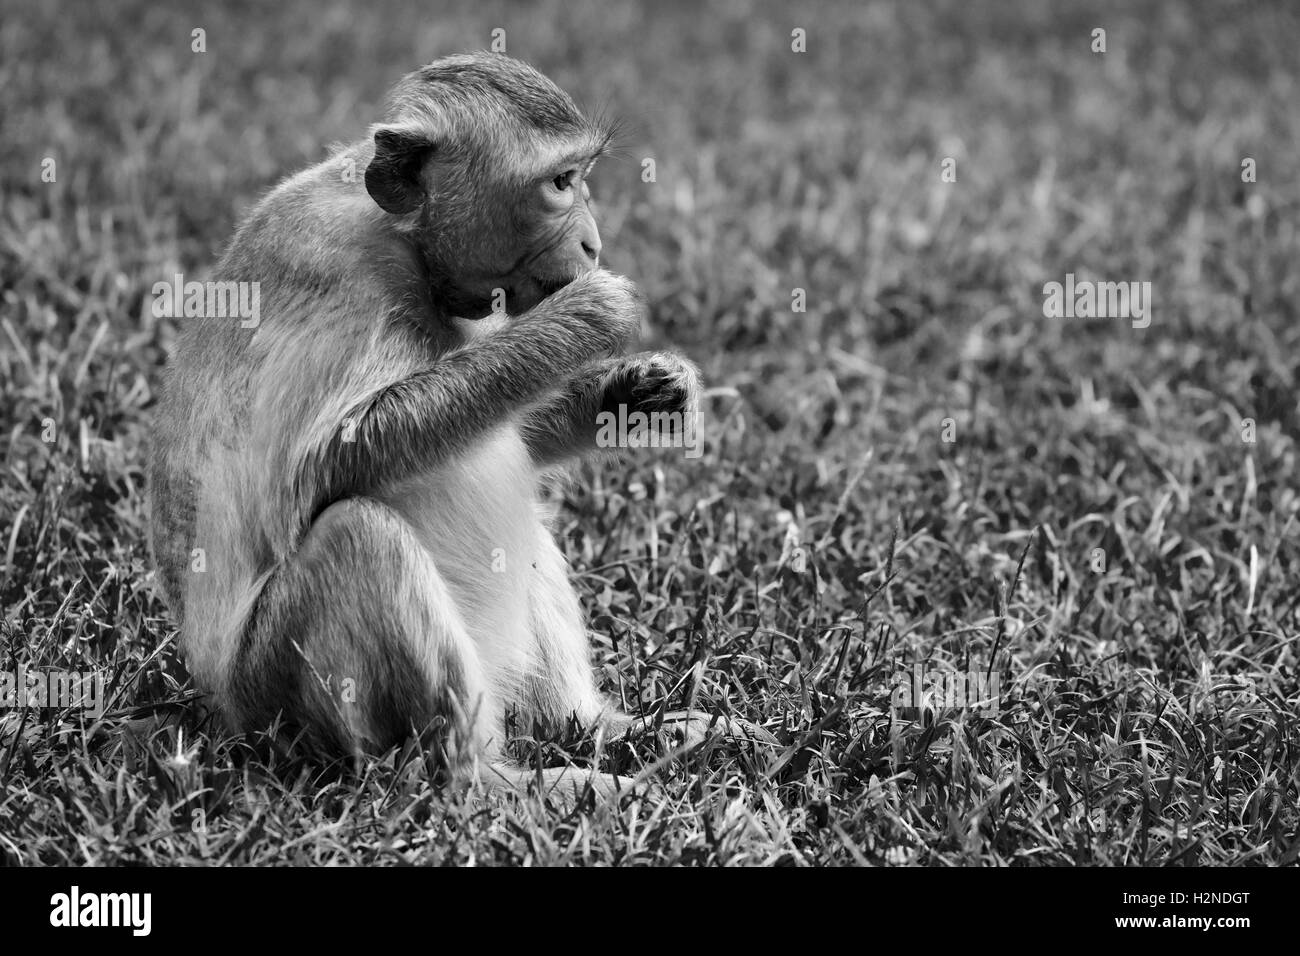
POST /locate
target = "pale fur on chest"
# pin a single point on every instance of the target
(479, 519)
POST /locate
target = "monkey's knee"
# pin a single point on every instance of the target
(355, 644)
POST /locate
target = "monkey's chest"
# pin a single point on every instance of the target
(477, 517)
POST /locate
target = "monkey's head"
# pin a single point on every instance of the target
(484, 162)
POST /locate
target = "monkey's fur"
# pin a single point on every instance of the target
(344, 498)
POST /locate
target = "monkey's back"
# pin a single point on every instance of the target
(241, 409)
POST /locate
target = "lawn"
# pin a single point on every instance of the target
(907, 465)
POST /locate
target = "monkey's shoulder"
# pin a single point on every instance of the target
(316, 230)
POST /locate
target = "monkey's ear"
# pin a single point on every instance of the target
(393, 176)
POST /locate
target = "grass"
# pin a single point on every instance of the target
(829, 538)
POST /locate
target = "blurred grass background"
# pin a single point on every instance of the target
(1155, 711)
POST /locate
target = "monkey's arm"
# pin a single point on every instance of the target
(566, 423)
(404, 427)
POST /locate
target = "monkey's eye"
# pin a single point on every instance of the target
(564, 180)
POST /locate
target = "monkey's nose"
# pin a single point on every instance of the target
(592, 249)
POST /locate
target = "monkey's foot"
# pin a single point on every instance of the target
(692, 728)
(568, 786)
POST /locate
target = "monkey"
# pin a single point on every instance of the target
(344, 494)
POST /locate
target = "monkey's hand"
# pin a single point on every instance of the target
(650, 383)
(604, 313)
(662, 387)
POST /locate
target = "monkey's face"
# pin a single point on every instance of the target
(487, 160)
(555, 220)
(506, 245)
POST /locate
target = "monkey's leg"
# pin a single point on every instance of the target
(562, 684)
(356, 641)
(361, 661)
(566, 423)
